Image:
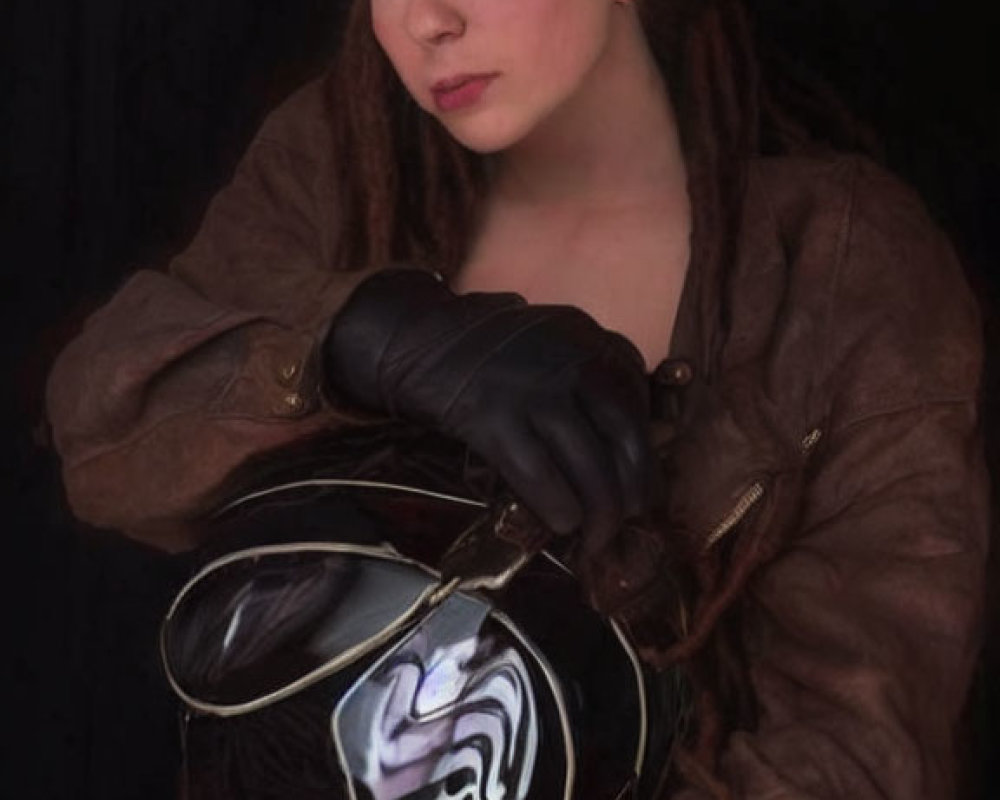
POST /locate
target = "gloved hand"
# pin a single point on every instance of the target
(556, 403)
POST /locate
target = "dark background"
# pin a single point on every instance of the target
(118, 119)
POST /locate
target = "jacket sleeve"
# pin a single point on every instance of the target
(862, 631)
(862, 635)
(187, 373)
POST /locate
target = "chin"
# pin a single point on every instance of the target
(485, 134)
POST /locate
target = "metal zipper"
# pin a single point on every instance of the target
(811, 440)
(752, 496)
(747, 500)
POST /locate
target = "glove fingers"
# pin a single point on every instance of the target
(534, 478)
(626, 433)
(589, 468)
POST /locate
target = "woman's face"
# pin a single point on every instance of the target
(492, 70)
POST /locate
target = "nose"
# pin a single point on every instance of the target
(434, 22)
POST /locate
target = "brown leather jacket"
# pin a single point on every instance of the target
(826, 481)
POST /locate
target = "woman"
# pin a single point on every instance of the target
(609, 195)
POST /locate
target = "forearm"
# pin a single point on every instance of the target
(165, 393)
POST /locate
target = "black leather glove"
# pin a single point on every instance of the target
(556, 403)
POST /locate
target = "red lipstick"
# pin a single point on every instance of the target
(460, 91)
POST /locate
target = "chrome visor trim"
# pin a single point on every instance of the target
(429, 596)
(346, 483)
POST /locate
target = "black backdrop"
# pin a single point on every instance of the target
(118, 118)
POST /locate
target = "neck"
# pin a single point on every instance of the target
(613, 142)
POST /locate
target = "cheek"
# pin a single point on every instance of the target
(576, 40)
(395, 44)
(380, 25)
(387, 27)
(556, 42)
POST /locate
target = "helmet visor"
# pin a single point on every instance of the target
(263, 623)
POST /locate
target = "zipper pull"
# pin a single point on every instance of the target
(752, 496)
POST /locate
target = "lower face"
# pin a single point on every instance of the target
(534, 56)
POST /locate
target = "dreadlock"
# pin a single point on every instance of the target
(409, 192)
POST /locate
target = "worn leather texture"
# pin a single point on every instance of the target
(825, 496)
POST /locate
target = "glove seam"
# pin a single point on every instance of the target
(511, 336)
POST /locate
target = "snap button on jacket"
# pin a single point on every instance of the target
(825, 498)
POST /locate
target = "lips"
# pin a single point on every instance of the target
(460, 91)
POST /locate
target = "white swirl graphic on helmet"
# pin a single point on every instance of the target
(458, 724)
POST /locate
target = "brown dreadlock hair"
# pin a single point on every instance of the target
(409, 192)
